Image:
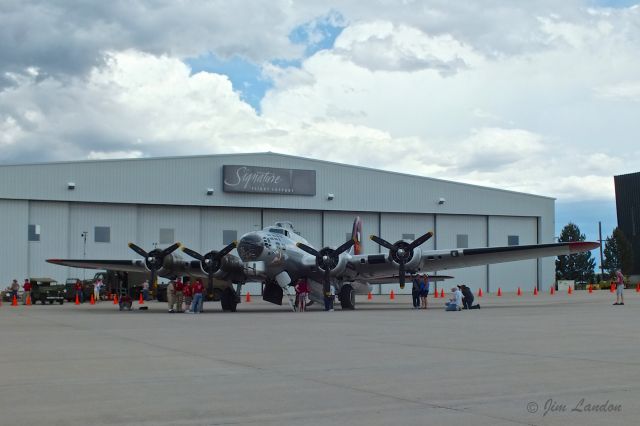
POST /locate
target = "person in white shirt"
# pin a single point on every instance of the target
(455, 303)
(619, 288)
(97, 286)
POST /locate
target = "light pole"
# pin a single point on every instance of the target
(84, 253)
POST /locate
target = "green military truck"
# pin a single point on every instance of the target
(46, 290)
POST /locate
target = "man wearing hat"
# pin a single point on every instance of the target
(455, 303)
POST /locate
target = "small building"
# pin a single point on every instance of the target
(92, 209)
(628, 211)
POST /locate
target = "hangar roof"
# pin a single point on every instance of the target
(185, 180)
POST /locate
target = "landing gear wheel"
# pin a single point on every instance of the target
(228, 300)
(347, 297)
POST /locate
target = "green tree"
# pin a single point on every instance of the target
(578, 267)
(618, 253)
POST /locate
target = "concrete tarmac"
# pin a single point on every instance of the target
(545, 360)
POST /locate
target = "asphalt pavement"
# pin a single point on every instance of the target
(532, 360)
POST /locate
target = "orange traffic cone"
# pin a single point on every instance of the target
(638, 288)
(141, 300)
(519, 292)
(535, 291)
(248, 298)
(480, 292)
(369, 296)
(590, 288)
(14, 301)
(392, 295)
(28, 301)
(499, 292)
(553, 290)
(435, 295)
(77, 299)
(92, 301)
(442, 293)
(570, 291)
(115, 299)
(612, 289)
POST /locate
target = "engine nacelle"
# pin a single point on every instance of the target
(415, 255)
(340, 267)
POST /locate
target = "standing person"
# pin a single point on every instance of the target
(455, 303)
(332, 297)
(619, 288)
(97, 286)
(188, 296)
(145, 290)
(198, 290)
(302, 291)
(415, 292)
(424, 291)
(13, 290)
(27, 291)
(179, 287)
(171, 296)
(79, 291)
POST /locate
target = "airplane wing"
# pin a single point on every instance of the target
(111, 265)
(215, 264)
(370, 267)
(393, 279)
(461, 258)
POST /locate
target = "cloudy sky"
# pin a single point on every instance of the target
(535, 96)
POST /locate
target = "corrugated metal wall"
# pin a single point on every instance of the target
(448, 227)
(136, 198)
(524, 273)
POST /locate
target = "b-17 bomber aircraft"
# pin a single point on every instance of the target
(277, 256)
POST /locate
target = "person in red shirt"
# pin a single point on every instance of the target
(198, 291)
(188, 295)
(79, 291)
(302, 291)
(179, 288)
(27, 291)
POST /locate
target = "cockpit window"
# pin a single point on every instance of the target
(278, 231)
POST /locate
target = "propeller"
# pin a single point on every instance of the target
(155, 258)
(326, 259)
(402, 252)
(212, 261)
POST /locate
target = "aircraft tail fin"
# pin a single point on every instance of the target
(356, 235)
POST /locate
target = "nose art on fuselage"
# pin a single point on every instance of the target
(250, 247)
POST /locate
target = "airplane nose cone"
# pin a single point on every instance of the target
(250, 247)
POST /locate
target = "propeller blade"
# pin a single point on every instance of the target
(307, 249)
(170, 249)
(382, 242)
(225, 251)
(138, 250)
(421, 240)
(346, 246)
(153, 277)
(401, 274)
(193, 253)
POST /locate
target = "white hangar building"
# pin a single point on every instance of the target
(205, 202)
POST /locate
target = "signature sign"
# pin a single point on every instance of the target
(268, 180)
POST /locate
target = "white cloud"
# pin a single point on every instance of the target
(516, 98)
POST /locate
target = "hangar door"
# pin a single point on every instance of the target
(462, 231)
(504, 231)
